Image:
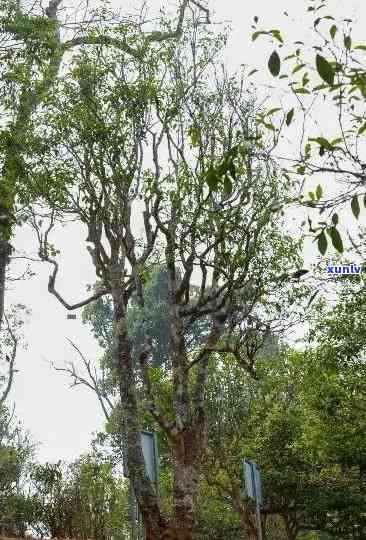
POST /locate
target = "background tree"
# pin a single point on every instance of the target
(16, 453)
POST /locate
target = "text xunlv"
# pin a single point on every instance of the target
(344, 269)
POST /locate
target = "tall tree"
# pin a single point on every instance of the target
(209, 210)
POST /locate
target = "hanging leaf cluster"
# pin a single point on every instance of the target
(223, 174)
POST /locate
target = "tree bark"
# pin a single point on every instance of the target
(143, 488)
(5, 251)
(185, 488)
(291, 526)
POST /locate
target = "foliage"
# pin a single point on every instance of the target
(81, 500)
(16, 452)
(326, 72)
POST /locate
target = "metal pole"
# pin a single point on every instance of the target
(134, 525)
(259, 521)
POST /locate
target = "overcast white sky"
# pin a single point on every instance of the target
(63, 419)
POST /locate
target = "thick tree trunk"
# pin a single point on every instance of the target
(186, 466)
(291, 527)
(5, 251)
(142, 487)
(185, 449)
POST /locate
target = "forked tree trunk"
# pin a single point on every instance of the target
(185, 450)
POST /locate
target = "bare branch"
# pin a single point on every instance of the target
(52, 290)
(93, 383)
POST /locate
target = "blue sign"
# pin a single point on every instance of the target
(252, 477)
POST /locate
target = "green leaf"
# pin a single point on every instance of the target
(212, 178)
(336, 239)
(195, 136)
(272, 111)
(362, 129)
(361, 47)
(320, 87)
(355, 206)
(228, 185)
(252, 72)
(319, 192)
(232, 170)
(335, 219)
(289, 117)
(301, 91)
(364, 201)
(269, 126)
(257, 34)
(336, 141)
(322, 142)
(324, 69)
(348, 42)
(333, 31)
(274, 64)
(297, 68)
(322, 243)
(277, 35)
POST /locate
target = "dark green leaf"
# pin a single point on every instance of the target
(319, 192)
(361, 47)
(333, 31)
(335, 219)
(322, 243)
(274, 64)
(322, 142)
(301, 91)
(336, 239)
(355, 206)
(289, 117)
(324, 69)
(228, 185)
(252, 72)
(277, 35)
(212, 178)
(348, 42)
(256, 34)
(232, 169)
